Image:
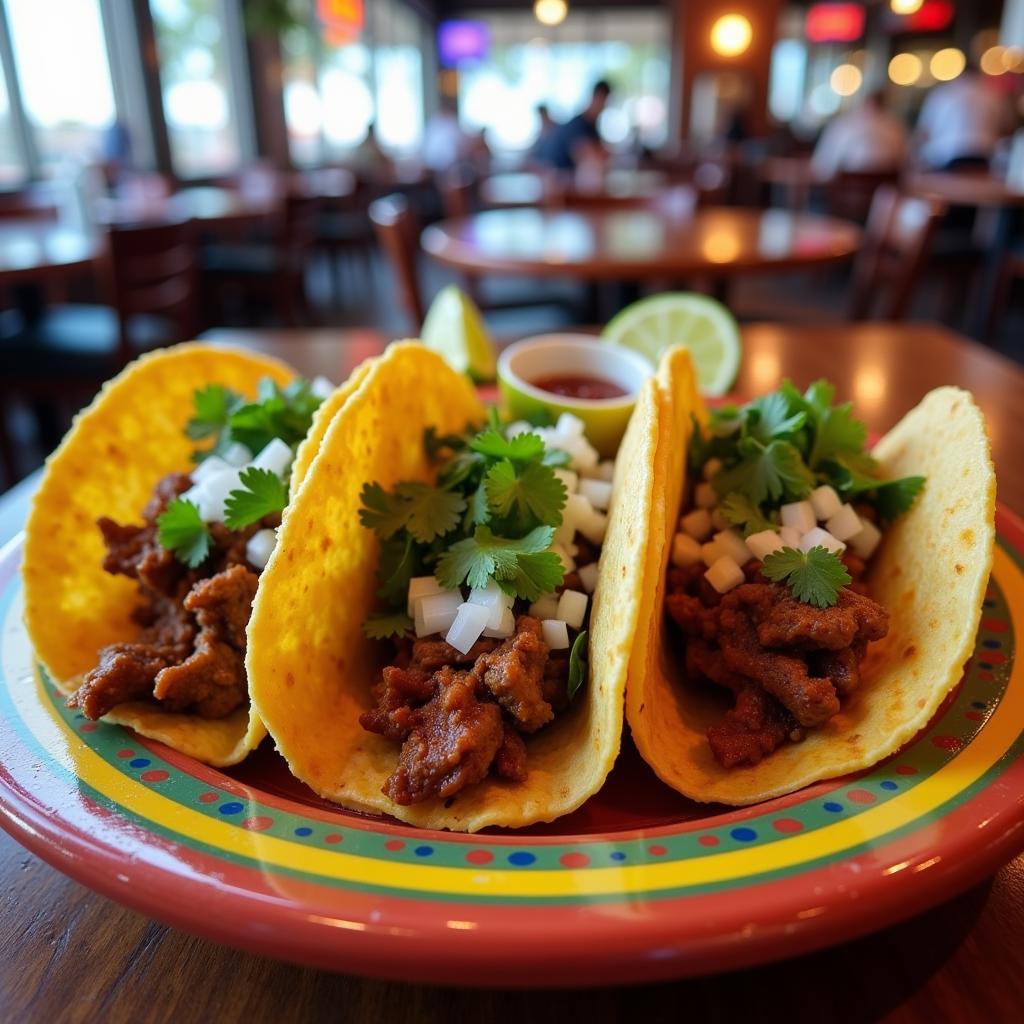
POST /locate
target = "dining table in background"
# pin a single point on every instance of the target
(546, 188)
(45, 252)
(211, 207)
(69, 954)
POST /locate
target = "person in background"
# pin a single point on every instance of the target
(577, 141)
(369, 155)
(961, 122)
(864, 138)
(444, 141)
(548, 125)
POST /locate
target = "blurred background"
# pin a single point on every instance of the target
(171, 167)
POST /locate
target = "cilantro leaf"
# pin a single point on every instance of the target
(286, 413)
(387, 624)
(521, 448)
(531, 494)
(426, 512)
(577, 665)
(851, 475)
(213, 404)
(814, 576)
(773, 418)
(396, 567)
(740, 511)
(262, 494)
(894, 497)
(484, 556)
(836, 432)
(766, 472)
(181, 530)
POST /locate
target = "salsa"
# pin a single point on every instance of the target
(580, 386)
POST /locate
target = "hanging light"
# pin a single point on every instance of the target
(550, 12)
(731, 35)
(905, 6)
(905, 69)
(846, 79)
(947, 64)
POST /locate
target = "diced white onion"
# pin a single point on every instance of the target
(506, 625)
(790, 538)
(825, 502)
(865, 542)
(569, 478)
(697, 524)
(605, 470)
(469, 622)
(576, 510)
(588, 576)
(276, 456)
(517, 428)
(762, 544)
(238, 455)
(213, 495)
(821, 538)
(569, 425)
(555, 633)
(711, 467)
(210, 467)
(419, 588)
(799, 515)
(594, 527)
(568, 562)
(259, 548)
(685, 550)
(724, 574)
(844, 524)
(731, 543)
(495, 600)
(545, 607)
(718, 521)
(572, 607)
(704, 496)
(597, 492)
(436, 613)
(320, 387)
(711, 552)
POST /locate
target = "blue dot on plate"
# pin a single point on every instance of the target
(423, 851)
(617, 855)
(832, 806)
(140, 762)
(985, 666)
(304, 830)
(889, 784)
(993, 645)
(231, 807)
(521, 858)
(979, 704)
(989, 603)
(743, 835)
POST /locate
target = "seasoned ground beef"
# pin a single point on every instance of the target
(190, 653)
(456, 724)
(787, 663)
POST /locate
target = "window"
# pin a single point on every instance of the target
(202, 126)
(62, 67)
(399, 77)
(12, 169)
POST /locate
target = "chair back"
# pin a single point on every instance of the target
(397, 228)
(458, 192)
(849, 194)
(153, 270)
(897, 239)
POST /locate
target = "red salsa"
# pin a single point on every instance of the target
(580, 386)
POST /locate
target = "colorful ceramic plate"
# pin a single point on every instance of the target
(639, 884)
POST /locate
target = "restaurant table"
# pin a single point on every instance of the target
(67, 954)
(210, 206)
(533, 188)
(43, 251)
(794, 175)
(635, 245)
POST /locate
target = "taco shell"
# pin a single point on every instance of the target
(128, 438)
(310, 667)
(930, 572)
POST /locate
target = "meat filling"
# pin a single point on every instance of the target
(189, 654)
(460, 717)
(787, 663)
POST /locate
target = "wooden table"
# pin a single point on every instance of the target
(635, 245)
(42, 251)
(209, 206)
(69, 955)
(532, 188)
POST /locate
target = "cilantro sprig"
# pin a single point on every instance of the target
(262, 494)
(182, 531)
(814, 576)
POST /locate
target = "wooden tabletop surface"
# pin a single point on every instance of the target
(31, 249)
(606, 244)
(69, 955)
(532, 188)
(966, 188)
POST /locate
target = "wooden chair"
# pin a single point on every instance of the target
(897, 237)
(398, 230)
(849, 194)
(1010, 270)
(458, 188)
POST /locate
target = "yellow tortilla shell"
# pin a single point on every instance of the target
(310, 667)
(930, 573)
(128, 438)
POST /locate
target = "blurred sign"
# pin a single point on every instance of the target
(462, 40)
(931, 16)
(342, 20)
(834, 23)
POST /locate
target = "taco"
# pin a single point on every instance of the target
(147, 537)
(807, 605)
(420, 645)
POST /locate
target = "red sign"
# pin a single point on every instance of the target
(834, 23)
(342, 20)
(931, 16)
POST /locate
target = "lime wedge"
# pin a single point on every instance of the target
(703, 325)
(455, 330)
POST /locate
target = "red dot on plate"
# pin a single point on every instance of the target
(860, 796)
(332, 838)
(657, 850)
(478, 856)
(787, 825)
(995, 625)
(156, 775)
(905, 769)
(708, 840)
(574, 860)
(260, 823)
(994, 657)
(973, 716)
(947, 742)
(986, 677)
(88, 727)
(125, 754)
(394, 845)
(208, 798)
